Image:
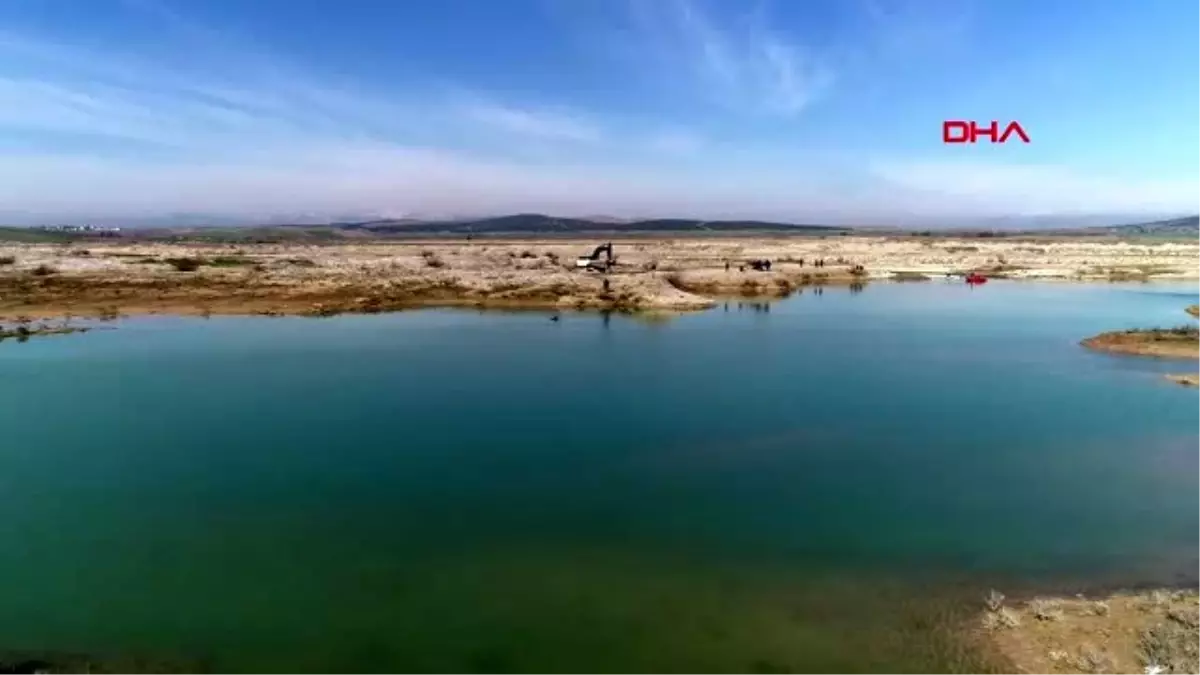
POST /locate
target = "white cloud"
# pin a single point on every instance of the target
(738, 62)
(546, 124)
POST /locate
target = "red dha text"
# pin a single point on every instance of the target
(957, 131)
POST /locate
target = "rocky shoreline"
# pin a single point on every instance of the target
(1156, 631)
(23, 330)
(106, 279)
(321, 281)
(1180, 343)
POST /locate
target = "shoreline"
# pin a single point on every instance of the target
(1123, 631)
(1184, 379)
(676, 274)
(23, 331)
(1163, 343)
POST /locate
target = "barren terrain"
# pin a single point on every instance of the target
(110, 278)
(1180, 343)
(1185, 379)
(1149, 632)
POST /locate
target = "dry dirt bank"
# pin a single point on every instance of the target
(47, 280)
(1182, 342)
(1149, 632)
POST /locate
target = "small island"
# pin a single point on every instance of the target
(1181, 342)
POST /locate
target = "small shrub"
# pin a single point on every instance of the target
(432, 259)
(185, 264)
(43, 271)
(528, 254)
(994, 600)
(81, 253)
(1092, 660)
(7, 260)
(1002, 618)
(300, 262)
(1045, 610)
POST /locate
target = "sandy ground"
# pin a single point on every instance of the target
(1151, 632)
(46, 280)
(1186, 379)
(1179, 343)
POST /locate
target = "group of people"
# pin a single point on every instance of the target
(765, 265)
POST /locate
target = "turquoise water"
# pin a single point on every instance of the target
(826, 485)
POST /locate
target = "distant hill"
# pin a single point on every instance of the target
(536, 223)
(27, 235)
(1175, 227)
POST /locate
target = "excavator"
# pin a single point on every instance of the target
(593, 261)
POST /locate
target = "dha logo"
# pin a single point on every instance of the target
(957, 131)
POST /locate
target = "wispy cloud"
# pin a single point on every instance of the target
(903, 28)
(210, 123)
(738, 62)
(545, 124)
(244, 132)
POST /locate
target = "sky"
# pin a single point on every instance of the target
(803, 111)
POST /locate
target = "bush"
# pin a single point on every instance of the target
(185, 264)
(43, 271)
(7, 260)
(432, 259)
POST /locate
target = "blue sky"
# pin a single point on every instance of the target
(789, 109)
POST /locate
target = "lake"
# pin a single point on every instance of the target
(826, 483)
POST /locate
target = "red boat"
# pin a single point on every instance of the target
(976, 279)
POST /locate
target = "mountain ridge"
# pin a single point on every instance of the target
(544, 224)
